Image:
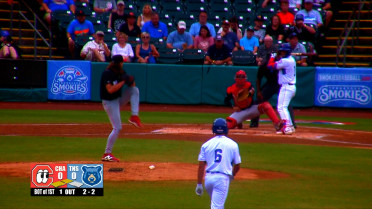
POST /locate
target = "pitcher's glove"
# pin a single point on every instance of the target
(129, 79)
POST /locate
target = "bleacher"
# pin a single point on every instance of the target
(171, 11)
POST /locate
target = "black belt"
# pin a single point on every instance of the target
(214, 172)
(289, 84)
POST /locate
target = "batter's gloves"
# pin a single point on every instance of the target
(199, 189)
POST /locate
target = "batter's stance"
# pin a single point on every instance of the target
(112, 81)
(287, 81)
(220, 157)
(242, 93)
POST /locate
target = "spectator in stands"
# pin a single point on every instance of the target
(156, 28)
(275, 29)
(78, 27)
(103, 6)
(250, 42)
(145, 16)
(304, 32)
(218, 54)
(286, 17)
(326, 7)
(259, 32)
(234, 27)
(117, 17)
(96, 50)
(204, 40)
(195, 27)
(311, 16)
(51, 6)
(146, 52)
(85, 1)
(295, 5)
(297, 47)
(7, 48)
(180, 39)
(130, 27)
(123, 48)
(230, 39)
(265, 51)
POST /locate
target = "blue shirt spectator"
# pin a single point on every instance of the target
(195, 27)
(180, 39)
(311, 16)
(250, 42)
(156, 28)
(76, 28)
(56, 5)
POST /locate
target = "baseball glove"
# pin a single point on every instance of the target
(129, 79)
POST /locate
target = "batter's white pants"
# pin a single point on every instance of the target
(286, 93)
(217, 186)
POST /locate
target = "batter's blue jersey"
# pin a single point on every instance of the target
(220, 153)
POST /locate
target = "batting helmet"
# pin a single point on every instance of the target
(285, 47)
(220, 126)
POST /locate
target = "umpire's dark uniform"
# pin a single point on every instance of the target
(271, 86)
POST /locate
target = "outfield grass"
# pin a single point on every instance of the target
(320, 176)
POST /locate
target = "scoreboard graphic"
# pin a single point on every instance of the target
(61, 179)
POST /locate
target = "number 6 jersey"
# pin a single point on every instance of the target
(220, 153)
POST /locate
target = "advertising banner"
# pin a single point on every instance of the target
(343, 87)
(69, 80)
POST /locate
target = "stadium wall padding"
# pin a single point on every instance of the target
(177, 84)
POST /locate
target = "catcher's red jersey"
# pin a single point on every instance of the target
(242, 98)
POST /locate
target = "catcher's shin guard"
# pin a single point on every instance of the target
(231, 122)
(266, 107)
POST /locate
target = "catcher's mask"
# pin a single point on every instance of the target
(240, 78)
(220, 126)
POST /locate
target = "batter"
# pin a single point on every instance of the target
(287, 81)
(220, 157)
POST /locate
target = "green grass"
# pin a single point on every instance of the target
(320, 177)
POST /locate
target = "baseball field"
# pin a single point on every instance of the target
(327, 163)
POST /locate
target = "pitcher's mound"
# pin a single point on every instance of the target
(140, 171)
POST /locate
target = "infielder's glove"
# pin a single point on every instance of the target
(129, 79)
(199, 189)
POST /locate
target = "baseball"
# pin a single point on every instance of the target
(152, 167)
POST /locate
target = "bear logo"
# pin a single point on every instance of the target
(92, 175)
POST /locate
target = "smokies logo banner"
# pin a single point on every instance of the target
(69, 80)
(343, 87)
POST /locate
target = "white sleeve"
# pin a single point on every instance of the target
(114, 50)
(201, 156)
(237, 158)
(85, 48)
(280, 64)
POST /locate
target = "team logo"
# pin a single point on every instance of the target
(70, 80)
(92, 175)
(355, 93)
(41, 175)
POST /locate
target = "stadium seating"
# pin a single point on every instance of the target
(169, 56)
(193, 56)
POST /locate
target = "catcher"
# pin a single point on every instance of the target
(242, 93)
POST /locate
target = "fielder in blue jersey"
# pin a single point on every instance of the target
(220, 159)
(112, 81)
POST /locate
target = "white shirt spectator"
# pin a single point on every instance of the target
(87, 49)
(127, 51)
